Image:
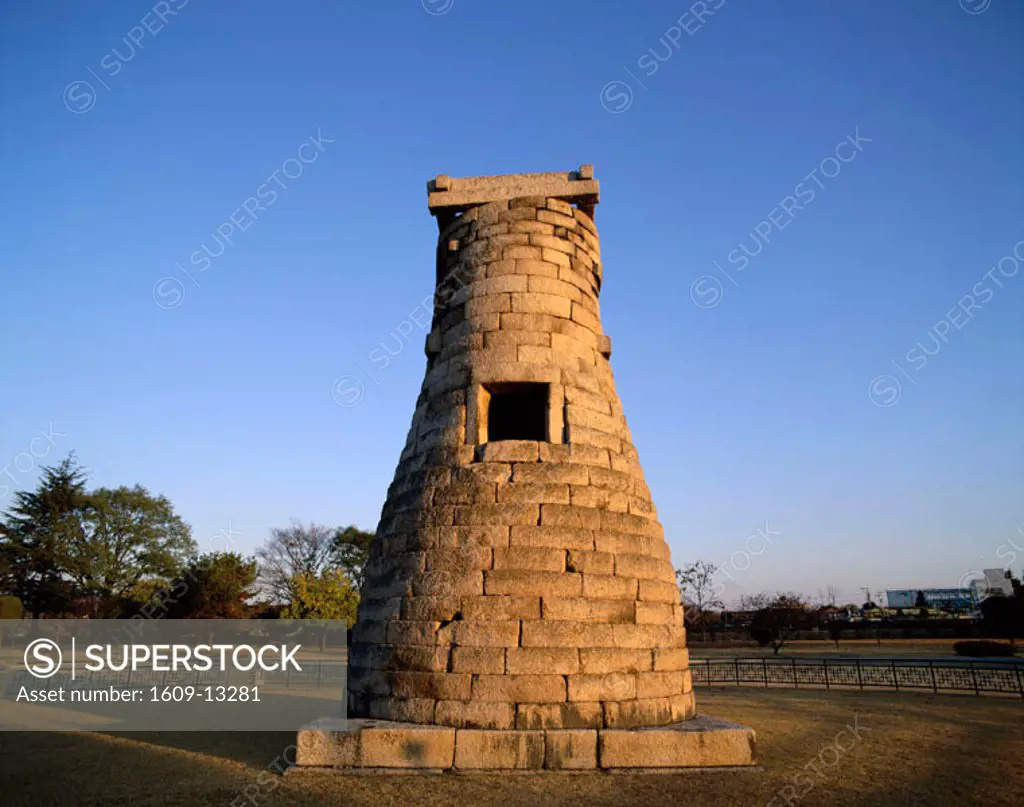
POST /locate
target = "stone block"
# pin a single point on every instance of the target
(658, 591)
(554, 243)
(636, 713)
(599, 661)
(586, 609)
(560, 515)
(683, 706)
(563, 633)
(590, 562)
(560, 206)
(555, 256)
(535, 354)
(557, 219)
(408, 632)
(607, 587)
(571, 352)
(698, 743)
(559, 716)
(643, 567)
(518, 583)
(499, 750)
(403, 657)
(552, 285)
(543, 660)
(390, 608)
(496, 608)
(431, 685)
(616, 685)
(510, 451)
(529, 226)
(475, 714)
(496, 514)
(536, 303)
(494, 535)
(488, 304)
(534, 493)
(522, 253)
(497, 339)
(589, 455)
(481, 660)
(457, 558)
(528, 201)
(329, 743)
(639, 636)
(671, 658)
(642, 507)
(594, 497)
(557, 537)
(464, 633)
(579, 274)
(407, 747)
(605, 477)
(546, 473)
(370, 631)
(497, 268)
(654, 613)
(444, 583)
(523, 688)
(407, 710)
(580, 313)
(570, 749)
(658, 684)
(536, 266)
(530, 558)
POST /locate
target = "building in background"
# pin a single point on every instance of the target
(994, 583)
(945, 599)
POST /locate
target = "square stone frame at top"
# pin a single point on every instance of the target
(478, 399)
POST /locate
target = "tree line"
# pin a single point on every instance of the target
(775, 618)
(70, 551)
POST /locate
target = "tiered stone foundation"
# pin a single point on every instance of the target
(520, 604)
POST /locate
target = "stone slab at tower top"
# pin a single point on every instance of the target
(448, 196)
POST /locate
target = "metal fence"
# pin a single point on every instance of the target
(937, 675)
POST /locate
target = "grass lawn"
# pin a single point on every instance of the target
(858, 647)
(912, 749)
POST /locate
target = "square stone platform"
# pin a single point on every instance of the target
(382, 747)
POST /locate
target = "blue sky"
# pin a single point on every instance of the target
(778, 394)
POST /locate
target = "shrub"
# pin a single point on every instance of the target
(10, 608)
(982, 648)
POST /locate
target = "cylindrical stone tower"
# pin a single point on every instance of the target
(519, 578)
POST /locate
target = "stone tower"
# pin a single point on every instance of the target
(519, 590)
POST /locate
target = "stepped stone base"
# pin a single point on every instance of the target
(385, 747)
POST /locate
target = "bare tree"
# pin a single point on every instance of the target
(304, 549)
(755, 602)
(697, 584)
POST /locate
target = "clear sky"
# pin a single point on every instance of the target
(772, 295)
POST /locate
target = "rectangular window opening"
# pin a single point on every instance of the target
(516, 412)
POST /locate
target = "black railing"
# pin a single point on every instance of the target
(989, 677)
